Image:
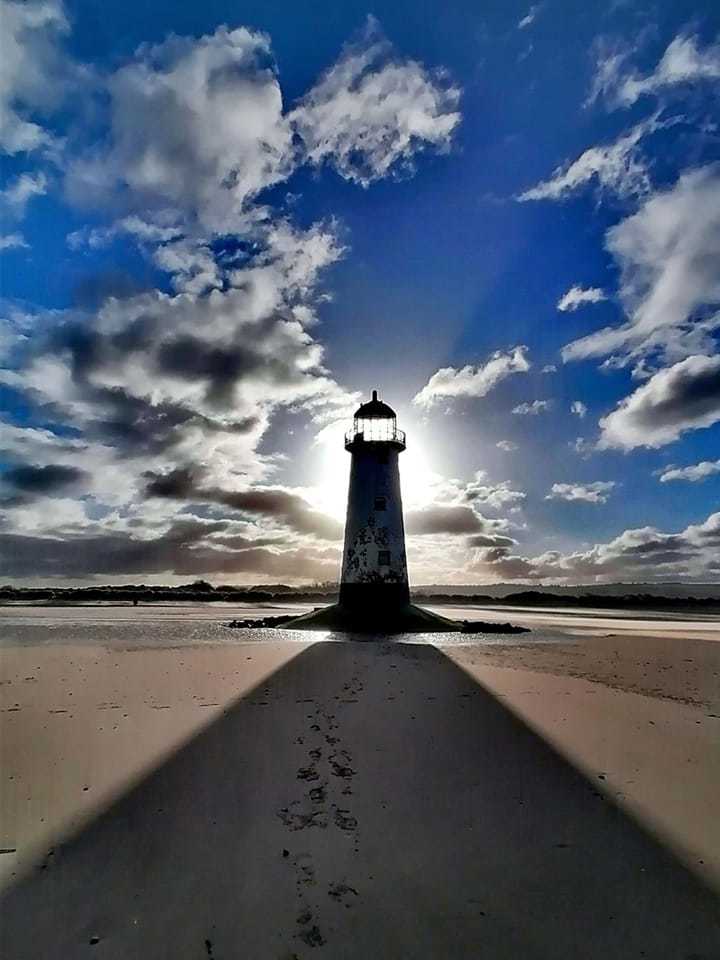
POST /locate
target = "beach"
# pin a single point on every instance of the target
(172, 788)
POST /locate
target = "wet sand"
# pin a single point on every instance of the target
(267, 799)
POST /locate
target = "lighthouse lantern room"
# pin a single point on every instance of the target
(374, 571)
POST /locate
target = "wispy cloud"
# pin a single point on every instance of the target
(21, 190)
(472, 381)
(616, 167)
(533, 409)
(668, 253)
(695, 473)
(684, 62)
(372, 112)
(576, 296)
(597, 492)
(529, 17)
(578, 408)
(12, 241)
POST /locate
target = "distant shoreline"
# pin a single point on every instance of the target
(74, 596)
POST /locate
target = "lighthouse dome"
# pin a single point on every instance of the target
(374, 410)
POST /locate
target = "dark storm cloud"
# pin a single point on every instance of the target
(182, 550)
(440, 519)
(220, 367)
(49, 479)
(184, 483)
(134, 425)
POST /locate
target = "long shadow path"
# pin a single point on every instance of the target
(368, 800)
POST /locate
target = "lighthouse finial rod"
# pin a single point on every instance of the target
(374, 394)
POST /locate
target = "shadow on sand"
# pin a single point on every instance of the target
(367, 800)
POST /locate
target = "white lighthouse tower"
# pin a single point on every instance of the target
(374, 570)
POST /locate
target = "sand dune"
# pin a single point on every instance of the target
(363, 800)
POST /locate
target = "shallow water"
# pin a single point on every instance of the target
(173, 624)
(169, 625)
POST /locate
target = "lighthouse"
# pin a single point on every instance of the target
(374, 568)
(374, 596)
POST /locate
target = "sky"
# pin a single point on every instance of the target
(224, 224)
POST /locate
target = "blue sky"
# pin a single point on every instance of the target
(223, 223)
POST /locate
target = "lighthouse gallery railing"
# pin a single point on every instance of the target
(375, 431)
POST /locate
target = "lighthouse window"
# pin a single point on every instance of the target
(380, 503)
(384, 558)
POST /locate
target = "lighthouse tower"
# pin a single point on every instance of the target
(374, 571)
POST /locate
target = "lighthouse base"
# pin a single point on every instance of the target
(380, 598)
(375, 620)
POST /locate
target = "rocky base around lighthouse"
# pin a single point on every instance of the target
(407, 619)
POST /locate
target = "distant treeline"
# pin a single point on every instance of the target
(199, 592)
(202, 592)
(533, 598)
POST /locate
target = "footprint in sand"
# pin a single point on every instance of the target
(343, 894)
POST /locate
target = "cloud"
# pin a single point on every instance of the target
(196, 125)
(372, 112)
(576, 296)
(449, 382)
(485, 540)
(494, 495)
(274, 503)
(549, 368)
(156, 362)
(617, 167)
(641, 554)
(529, 17)
(578, 408)
(596, 492)
(13, 241)
(33, 73)
(188, 547)
(694, 473)
(683, 397)
(45, 480)
(190, 133)
(669, 258)
(507, 446)
(437, 519)
(21, 190)
(684, 62)
(532, 409)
